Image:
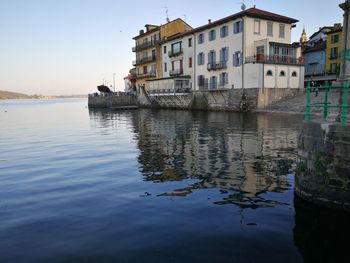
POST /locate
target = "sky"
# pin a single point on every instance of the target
(69, 46)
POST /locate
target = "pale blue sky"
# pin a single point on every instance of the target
(69, 46)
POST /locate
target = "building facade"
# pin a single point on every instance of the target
(250, 49)
(322, 54)
(148, 61)
(334, 49)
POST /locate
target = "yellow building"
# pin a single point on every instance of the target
(147, 48)
(334, 49)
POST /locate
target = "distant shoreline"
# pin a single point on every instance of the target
(7, 95)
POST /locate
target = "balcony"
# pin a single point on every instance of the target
(273, 59)
(315, 70)
(145, 45)
(333, 56)
(175, 53)
(176, 72)
(150, 74)
(144, 60)
(217, 66)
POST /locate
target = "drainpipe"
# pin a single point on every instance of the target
(194, 62)
(243, 51)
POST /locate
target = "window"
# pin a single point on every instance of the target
(223, 78)
(176, 48)
(237, 59)
(260, 50)
(144, 69)
(213, 82)
(200, 81)
(294, 74)
(224, 55)
(212, 57)
(334, 39)
(224, 31)
(164, 49)
(282, 73)
(334, 67)
(270, 29)
(201, 38)
(212, 35)
(282, 30)
(201, 59)
(238, 27)
(190, 42)
(190, 62)
(334, 53)
(257, 27)
(165, 67)
(153, 68)
(172, 65)
(269, 73)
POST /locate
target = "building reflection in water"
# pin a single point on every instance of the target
(244, 156)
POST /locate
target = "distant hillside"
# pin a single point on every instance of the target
(5, 95)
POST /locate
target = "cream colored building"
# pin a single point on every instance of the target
(250, 49)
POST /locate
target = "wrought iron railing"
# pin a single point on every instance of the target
(217, 66)
(175, 53)
(145, 45)
(176, 72)
(273, 59)
(147, 75)
(144, 60)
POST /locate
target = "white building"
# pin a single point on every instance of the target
(177, 55)
(250, 49)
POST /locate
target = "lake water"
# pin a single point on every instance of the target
(155, 186)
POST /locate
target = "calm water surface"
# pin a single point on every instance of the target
(154, 186)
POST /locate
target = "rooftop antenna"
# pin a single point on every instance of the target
(185, 17)
(167, 13)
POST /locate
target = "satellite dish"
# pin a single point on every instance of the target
(243, 7)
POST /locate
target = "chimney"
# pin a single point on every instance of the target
(209, 21)
(142, 32)
(254, 6)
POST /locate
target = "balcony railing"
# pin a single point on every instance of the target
(315, 70)
(273, 59)
(217, 66)
(150, 74)
(145, 45)
(176, 72)
(175, 53)
(144, 60)
(333, 56)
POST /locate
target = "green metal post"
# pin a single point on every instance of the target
(345, 104)
(308, 102)
(325, 107)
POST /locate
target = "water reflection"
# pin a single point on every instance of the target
(243, 156)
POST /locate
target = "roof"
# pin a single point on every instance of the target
(158, 28)
(335, 31)
(251, 12)
(320, 30)
(147, 32)
(320, 45)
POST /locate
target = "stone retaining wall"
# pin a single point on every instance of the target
(323, 175)
(110, 100)
(224, 100)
